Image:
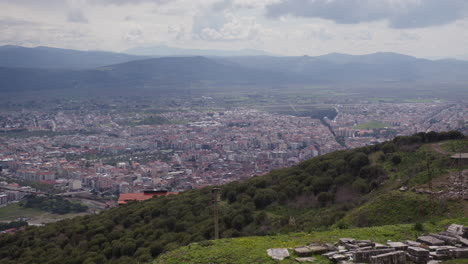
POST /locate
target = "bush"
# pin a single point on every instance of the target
(418, 227)
(396, 159)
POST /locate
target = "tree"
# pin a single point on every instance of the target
(324, 198)
(359, 160)
(264, 197)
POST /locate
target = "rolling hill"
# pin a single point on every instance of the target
(342, 189)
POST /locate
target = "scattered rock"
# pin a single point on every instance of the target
(278, 253)
(442, 246)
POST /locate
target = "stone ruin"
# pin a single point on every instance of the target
(427, 249)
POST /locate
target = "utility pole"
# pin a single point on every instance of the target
(429, 173)
(215, 200)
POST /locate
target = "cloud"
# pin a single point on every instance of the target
(225, 26)
(221, 5)
(398, 13)
(128, 2)
(76, 16)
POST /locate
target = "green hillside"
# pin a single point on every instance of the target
(337, 190)
(253, 249)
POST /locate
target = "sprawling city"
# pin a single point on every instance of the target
(102, 151)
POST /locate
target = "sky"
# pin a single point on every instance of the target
(422, 28)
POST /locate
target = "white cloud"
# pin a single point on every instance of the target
(236, 24)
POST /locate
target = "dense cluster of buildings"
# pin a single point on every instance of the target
(194, 150)
(110, 151)
(363, 124)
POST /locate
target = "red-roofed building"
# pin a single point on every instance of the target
(126, 197)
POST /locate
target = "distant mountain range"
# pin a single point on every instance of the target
(163, 50)
(24, 69)
(46, 57)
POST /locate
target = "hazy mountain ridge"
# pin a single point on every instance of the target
(163, 50)
(56, 58)
(169, 74)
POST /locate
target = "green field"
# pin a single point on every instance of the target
(371, 125)
(253, 249)
(13, 211)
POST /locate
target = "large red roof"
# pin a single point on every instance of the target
(126, 197)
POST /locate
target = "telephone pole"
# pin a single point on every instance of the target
(429, 173)
(215, 200)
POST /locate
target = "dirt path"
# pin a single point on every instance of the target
(437, 148)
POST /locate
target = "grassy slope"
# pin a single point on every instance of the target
(390, 206)
(253, 249)
(383, 207)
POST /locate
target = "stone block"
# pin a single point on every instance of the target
(342, 249)
(339, 257)
(438, 256)
(344, 241)
(464, 242)
(328, 255)
(308, 259)
(365, 243)
(397, 245)
(318, 249)
(459, 253)
(396, 257)
(446, 239)
(419, 252)
(412, 243)
(365, 255)
(417, 259)
(351, 246)
(445, 233)
(459, 230)
(444, 249)
(303, 251)
(429, 240)
(278, 253)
